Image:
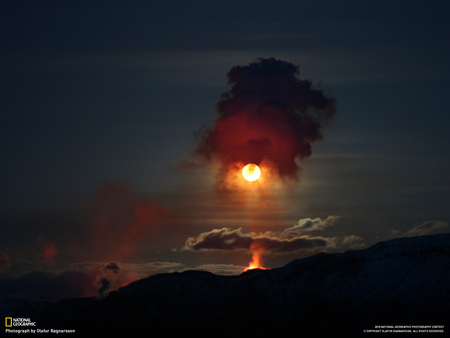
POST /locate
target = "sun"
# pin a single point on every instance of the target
(251, 172)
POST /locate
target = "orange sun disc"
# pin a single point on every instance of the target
(251, 172)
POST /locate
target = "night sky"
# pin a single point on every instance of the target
(105, 108)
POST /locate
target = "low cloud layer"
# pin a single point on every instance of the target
(426, 228)
(307, 224)
(235, 239)
(287, 241)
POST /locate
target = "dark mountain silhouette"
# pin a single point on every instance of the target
(405, 281)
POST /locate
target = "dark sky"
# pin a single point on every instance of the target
(100, 102)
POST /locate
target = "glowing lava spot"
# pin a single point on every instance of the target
(256, 262)
(251, 172)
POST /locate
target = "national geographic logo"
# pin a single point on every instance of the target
(8, 321)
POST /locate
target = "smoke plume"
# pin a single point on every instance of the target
(269, 115)
(107, 282)
(123, 220)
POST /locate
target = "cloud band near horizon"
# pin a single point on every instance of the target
(287, 241)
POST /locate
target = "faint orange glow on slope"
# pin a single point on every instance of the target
(256, 262)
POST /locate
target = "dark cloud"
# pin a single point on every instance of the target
(220, 239)
(229, 239)
(113, 267)
(290, 240)
(269, 115)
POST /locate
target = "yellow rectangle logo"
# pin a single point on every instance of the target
(8, 321)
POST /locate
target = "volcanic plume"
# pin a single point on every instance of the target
(107, 282)
(122, 220)
(256, 262)
(269, 115)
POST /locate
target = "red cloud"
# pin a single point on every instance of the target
(46, 248)
(122, 219)
(49, 250)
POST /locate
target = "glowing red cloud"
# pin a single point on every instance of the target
(122, 219)
(49, 250)
(46, 248)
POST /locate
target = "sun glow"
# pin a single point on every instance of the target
(251, 172)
